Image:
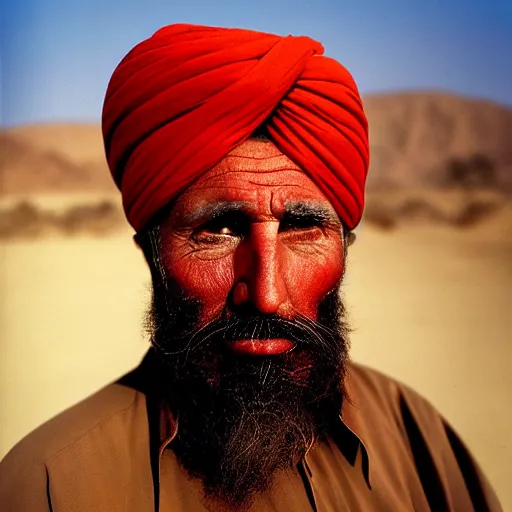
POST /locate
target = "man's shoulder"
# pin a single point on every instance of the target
(392, 419)
(370, 379)
(105, 437)
(371, 389)
(73, 425)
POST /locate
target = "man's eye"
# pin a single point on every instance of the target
(214, 235)
(299, 230)
(298, 224)
(227, 231)
(303, 235)
(219, 231)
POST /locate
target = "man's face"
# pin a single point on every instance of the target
(247, 319)
(254, 231)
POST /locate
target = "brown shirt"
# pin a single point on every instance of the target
(113, 452)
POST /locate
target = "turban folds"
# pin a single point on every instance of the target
(181, 100)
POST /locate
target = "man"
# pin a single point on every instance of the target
(242, 159)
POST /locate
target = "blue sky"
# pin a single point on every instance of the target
(56, 56)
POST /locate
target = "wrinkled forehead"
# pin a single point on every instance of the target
(258, 174)
(255, 159)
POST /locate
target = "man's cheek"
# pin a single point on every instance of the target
(209, 282)
(308, 282)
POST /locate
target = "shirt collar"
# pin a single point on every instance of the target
(350, 439)
(164, 426)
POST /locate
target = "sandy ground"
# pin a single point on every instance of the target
(431, 307)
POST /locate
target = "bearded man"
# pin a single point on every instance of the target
(242, 159)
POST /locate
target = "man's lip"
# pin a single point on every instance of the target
(274, 346)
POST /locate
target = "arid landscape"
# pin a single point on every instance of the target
(429, 283)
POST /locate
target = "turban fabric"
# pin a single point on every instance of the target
(181, 100)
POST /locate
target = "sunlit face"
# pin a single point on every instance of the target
(254, 231)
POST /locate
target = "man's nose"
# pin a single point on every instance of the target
(259, 270)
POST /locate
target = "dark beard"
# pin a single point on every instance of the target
(241, 419)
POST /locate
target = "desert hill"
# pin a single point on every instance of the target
(53, 158)
(434, 139)
(417, 140)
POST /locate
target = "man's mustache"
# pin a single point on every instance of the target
(301, 330)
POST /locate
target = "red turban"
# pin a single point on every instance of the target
(181, 100)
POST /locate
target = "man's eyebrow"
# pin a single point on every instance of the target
(210, 211)
(316, 212)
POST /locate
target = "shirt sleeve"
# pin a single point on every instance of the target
(480, 490)
(451, 477)
(24, 482)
